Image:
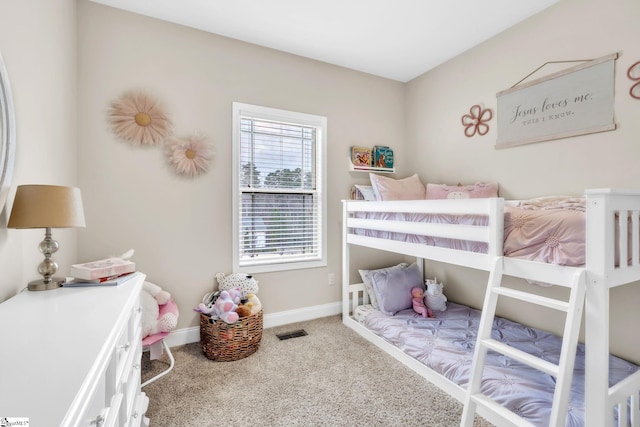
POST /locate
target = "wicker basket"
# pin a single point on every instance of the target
(225, 342)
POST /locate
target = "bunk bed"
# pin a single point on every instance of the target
(611, 237)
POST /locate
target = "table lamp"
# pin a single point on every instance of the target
(46, 206)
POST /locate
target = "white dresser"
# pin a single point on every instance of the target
(71, 357)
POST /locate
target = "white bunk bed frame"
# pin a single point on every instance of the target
(608, 213)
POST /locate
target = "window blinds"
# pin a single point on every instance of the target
(279, 220)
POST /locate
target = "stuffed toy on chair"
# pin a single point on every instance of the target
(417, 296)
(153, 296)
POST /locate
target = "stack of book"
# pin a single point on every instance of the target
(104, 272)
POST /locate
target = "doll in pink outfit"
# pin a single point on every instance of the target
(417, 297)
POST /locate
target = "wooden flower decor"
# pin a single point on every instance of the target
(137, 118)
(634, 74)
(189, 156)
(476, 121)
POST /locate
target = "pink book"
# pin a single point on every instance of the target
(103, 268)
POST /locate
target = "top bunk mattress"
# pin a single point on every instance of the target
(549, 230)
(446, 345)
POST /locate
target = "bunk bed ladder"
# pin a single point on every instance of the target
(563, 371)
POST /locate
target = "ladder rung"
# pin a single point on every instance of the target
(521, 356)
(501, 411)
(532, 298)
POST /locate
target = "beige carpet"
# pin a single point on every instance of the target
(331, 377)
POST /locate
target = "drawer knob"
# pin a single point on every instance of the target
(98, 422)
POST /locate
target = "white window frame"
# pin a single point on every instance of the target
(273, 114)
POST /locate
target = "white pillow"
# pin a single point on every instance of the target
(367, 192)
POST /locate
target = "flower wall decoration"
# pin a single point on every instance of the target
(189, 156)
(138, 118)
(634, 74)
(476, 121)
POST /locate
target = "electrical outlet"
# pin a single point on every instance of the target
(332, 279)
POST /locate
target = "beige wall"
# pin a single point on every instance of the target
(181, 228)
(37, 43)
(572, 29)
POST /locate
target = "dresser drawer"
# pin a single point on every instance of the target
(138, 418)
(122, 351)
(99, 415)
(113, 417)
(128, 345)
(131, 386)
(135, 322)
(97, 406)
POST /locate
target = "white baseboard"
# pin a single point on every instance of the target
(189, 335)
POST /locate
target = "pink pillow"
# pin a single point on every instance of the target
(478, 190)
(385, 188)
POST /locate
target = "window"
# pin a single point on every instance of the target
(279, 203)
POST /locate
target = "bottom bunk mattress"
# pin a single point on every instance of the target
(446, 344)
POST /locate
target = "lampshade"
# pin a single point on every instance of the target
(46, 206)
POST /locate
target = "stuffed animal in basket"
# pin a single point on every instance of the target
(209, 300)
(243, 310)
(417, 298)
(153, 296)
(434, 298)
(225, 309)
(246, 282)
(254, 303)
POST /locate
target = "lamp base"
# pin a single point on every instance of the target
(39, 285)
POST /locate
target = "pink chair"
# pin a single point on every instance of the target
(155, 343)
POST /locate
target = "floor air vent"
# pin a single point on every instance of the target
(292, 334)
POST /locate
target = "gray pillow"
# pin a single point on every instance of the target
(364, 274)
(393, 287)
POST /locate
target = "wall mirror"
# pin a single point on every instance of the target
(7, 136)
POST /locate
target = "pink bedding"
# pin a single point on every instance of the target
(550, 230)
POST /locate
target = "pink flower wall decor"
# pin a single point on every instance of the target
(476, 121)
(634, 74)
(189, 156)
(138, 119)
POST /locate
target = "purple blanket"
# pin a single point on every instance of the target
(446, 344)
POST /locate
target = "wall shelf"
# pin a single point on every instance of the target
(353, 168)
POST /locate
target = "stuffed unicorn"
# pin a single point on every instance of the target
(434, 298)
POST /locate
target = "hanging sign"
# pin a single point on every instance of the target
(575, 101)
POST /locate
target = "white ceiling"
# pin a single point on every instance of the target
(396, 39)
